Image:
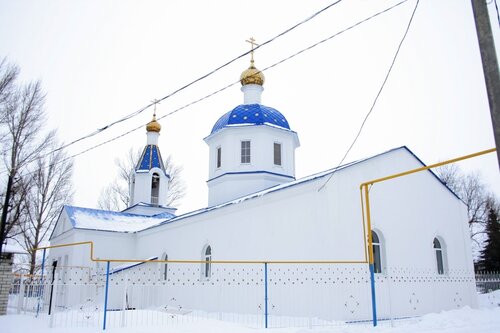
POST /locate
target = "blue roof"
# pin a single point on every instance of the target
(150, 158)
(252, 114)
(99, 219)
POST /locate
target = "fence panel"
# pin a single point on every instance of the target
(487, 281)
(255, 295)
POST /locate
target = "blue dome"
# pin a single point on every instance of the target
(254, 114)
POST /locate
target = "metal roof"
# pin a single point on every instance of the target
(251, 114)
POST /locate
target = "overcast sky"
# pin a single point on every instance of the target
(101, 60)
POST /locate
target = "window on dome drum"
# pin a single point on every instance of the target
(439, 256)
(165, 268)
(207, 265)
(245, 151)
(219, 157)
(155, 188)
(377, 257)
(277, 153)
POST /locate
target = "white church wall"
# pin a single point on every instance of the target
(307, 222)
(302, 223)
(142, 189)
(80, 279)
(107, 245)
(262, 140)
(63, 226)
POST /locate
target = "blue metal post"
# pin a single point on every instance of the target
(374, 303)
(266, 314)
(106, 297)
(40, 290)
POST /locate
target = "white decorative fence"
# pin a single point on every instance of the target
(487, 281)
(255, 295)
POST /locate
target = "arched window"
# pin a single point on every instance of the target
(377, 253)
(219, 157)
(132, 188)
(155, 188)
(165, 268)
(439, 256)
(207, 265)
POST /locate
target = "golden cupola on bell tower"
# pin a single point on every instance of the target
(153, 125)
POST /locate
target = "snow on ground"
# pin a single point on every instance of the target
(466, 320)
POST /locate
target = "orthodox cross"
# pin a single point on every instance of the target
(155, 101)
(253, 43)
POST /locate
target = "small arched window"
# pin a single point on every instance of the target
(439, 256)
(155, 188)
(131, 188)
(219, 157)
(165, 268)
(207, 265)
(377, 253)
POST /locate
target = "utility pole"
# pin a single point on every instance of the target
(4, 212)
(490, 65)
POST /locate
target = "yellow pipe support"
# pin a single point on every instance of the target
(238, 261)
(364, 226)
(368, 222)
(397, 175)
(202, 261)
(369, 225)
(401, 174)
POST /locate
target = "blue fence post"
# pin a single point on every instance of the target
(374, 303)
(266, 314)
(40, 290)
(106, 297)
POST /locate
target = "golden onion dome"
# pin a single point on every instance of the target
(153, 125)
(252, 76)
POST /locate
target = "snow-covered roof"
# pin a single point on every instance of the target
(86, 218)
(148, 205)
(295, 183)
(97, 219)
(13, 248)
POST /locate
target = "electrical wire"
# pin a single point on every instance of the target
(266, 68)
(376, 97)
(498, 14)
(139, 111)
(236, 82)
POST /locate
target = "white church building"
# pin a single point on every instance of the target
(270, 243)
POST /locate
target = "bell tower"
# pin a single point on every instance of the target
(150, 181)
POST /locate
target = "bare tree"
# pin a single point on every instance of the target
(113, 197)
(475, 195)
(47, 189)
(116, 195)
(8, 76)
(22, 124)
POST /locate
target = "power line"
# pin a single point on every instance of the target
(139, 111)
(236, 82)
(376, 97)
(266, 68)
(498, 14)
